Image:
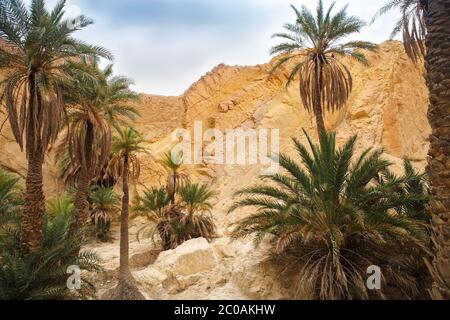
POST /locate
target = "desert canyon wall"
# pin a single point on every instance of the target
(387, 109)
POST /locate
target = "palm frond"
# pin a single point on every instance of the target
(411, 25)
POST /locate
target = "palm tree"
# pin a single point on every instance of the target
(125, 163)
(179, 222)
(196, 203)
(105, 205)
(332, 214)
(176, 177)
(156, 205)
(437, 20)
(411, 25)
(97, 102)
(37, 44)
(313, 43)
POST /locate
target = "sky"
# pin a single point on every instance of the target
(166, 45)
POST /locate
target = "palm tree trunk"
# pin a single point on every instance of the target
(124, 272)
(34, 198)
(318, 111)
(437, 20)
(127, 288)
(81, 198)
(34, 205)
(175, 182)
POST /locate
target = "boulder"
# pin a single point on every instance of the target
(224, 247)
(174, 285)
(150, 276)
(192, 257)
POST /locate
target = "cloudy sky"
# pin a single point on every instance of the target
(166, 45)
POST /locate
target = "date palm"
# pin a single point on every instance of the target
(196, 201)
(97, 102)
(105, 204)
(437, 61)
(411, 25)
(125, 164)
(155, 205)
(37, 43)
(176, 223)
(333, 215)
(313, 45)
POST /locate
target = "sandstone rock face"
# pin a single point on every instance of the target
(387, 108)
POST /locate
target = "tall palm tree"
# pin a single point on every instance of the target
(437, 20)
(334, 216)
(313, 44)
(411, 25)
(98, 101)
(37, 44)
(125, 163)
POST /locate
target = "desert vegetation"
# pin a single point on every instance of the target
(40, 275)
(334, 213)
(179, 211)
(329, 214)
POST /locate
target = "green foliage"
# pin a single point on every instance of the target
(196, 198)
(61, 206)
(41, 275)
(10, 201)
(105, 205)
(180, 222)
(172, 162)
(128, 141)
(9, 197)
(413, 184)
(336, 214)
(153, 202)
